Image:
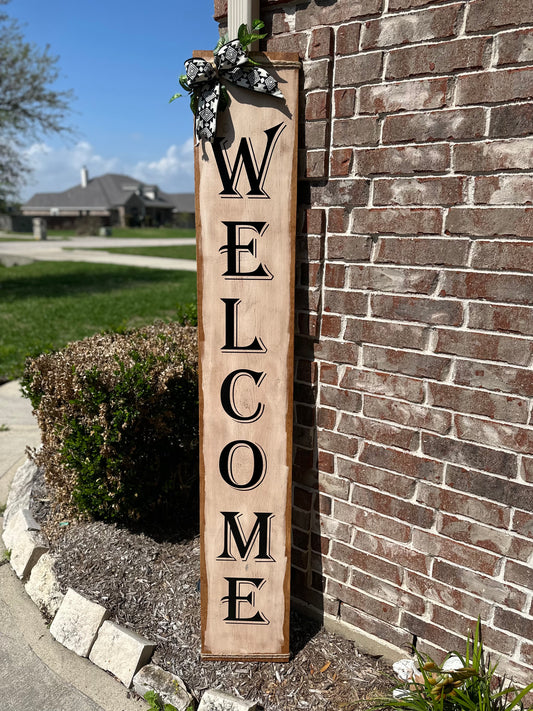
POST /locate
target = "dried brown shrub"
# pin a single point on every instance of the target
(119, 423)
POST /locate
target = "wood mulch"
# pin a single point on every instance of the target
(151, 585)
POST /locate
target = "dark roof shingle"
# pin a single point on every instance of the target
(106, 192)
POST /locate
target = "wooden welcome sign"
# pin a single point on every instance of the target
(245, 220)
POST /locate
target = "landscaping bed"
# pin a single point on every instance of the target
(117, 500)
(150, 583)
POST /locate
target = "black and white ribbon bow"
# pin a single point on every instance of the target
(204, 80)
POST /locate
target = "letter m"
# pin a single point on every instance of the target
(230, 175)
(233, 533)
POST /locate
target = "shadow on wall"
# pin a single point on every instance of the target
(307, 542)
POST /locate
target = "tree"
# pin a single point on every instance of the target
(29, 105)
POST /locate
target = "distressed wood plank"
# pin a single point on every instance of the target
(246, 307)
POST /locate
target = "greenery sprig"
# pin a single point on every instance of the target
(246, 38)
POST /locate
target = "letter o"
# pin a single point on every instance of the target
(226, 460)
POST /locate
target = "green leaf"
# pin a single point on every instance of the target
(520, 696)
(154, 700)
(258, 25)
(174, 97)
(224, 98)
(184, 83)
(193, 103)
(255, 37)
(465, 701)
(242, 34)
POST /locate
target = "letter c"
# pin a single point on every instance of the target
(227, 394)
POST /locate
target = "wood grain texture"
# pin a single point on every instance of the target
(264, 311)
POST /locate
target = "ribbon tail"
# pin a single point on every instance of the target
(206, 113)
(255, 79)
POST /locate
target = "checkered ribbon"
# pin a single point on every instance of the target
(204, 80)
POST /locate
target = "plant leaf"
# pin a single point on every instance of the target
(520, 696)
(224, 98)
(243, 35)
(254, 37)
(154, 700)
(184, 83)
(174, 97)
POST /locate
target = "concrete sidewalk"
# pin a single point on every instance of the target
(18, 429)
(36, 672)
(92, 250)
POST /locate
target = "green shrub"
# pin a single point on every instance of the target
(118, 415)
(187, 314)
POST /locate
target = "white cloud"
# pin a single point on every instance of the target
(56, 169)
(173, 172)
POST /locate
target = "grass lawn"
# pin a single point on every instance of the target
(141, 232)
(153, 232)
(47, 304)
(180, 251)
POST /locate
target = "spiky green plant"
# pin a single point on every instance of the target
(472, 685)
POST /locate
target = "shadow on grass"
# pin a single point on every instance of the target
(58, 279)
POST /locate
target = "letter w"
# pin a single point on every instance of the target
(230, 176)
(260, 533)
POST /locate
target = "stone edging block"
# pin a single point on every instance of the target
(215, 700)
(120, 651)
(24, 542)
(77, 622)
(19, 522)
(43, 587)
(170, 687)
(26, 551)
(20, 491)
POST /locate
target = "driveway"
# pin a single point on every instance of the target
(92, 249)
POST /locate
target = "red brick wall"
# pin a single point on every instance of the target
(413, 496)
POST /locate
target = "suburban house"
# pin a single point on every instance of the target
(112, 199)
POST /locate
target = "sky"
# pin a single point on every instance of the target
(122, 58)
